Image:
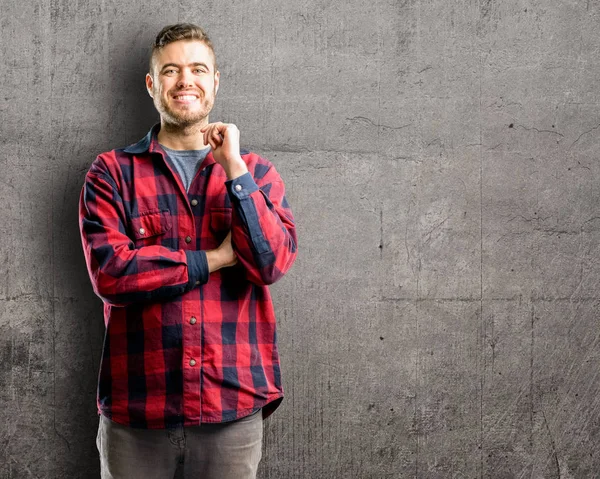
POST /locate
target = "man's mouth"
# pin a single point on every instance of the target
(185, 97)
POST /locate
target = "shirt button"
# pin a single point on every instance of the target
(238, 187)
(188, 239)
(194, 202)
(192, 362)
(142, 231)
(198, 283)
(192, 320)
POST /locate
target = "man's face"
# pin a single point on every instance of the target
(183, 83)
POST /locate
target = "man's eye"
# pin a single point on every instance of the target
(170, 71)
(200, 70)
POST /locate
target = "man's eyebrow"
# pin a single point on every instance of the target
(195, 64)
(169, 65)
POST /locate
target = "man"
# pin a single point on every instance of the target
(182, 232)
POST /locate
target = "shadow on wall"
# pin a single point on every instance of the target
(132, 111)
(127, 115)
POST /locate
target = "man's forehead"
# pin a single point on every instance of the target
(185, 52)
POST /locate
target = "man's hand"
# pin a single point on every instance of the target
(222, 257)
(224, 139)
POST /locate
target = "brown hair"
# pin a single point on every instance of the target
(178, 32)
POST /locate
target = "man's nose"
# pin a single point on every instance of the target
(185, 78)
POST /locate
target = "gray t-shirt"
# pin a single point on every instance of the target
(186, 163)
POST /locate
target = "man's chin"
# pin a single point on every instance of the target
(184, 121)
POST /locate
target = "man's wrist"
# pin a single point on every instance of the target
(213, 258)
(235, 168)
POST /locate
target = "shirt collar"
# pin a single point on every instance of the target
(150, 144)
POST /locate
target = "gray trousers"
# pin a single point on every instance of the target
(210, 451)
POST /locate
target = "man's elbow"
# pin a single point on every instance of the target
(269, 276)
(108, 296)
(273, 270)
(106, 288)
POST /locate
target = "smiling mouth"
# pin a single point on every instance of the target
(185, 97)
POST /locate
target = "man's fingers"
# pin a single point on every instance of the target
(206, 140)
(208, 137)
(206, 133)
(216, 136)
(212, 136)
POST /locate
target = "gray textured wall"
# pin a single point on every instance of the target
(441, 158)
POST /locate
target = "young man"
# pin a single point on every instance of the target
(182, 232)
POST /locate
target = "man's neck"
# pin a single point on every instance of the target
(182, 138)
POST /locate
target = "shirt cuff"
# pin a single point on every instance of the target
(241, 187)
(197, 268)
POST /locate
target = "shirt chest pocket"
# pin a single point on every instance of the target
(149, 227)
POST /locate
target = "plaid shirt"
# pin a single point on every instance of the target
(183, 346)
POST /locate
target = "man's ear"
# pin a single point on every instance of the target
(149, 84)
(217, 80)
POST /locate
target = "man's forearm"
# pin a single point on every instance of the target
(215, 260)
(235, 167)
(221, 257)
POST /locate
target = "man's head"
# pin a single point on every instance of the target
(183, 78)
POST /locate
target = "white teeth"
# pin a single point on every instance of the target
(185, 97)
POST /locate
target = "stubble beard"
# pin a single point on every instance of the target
(184, 119)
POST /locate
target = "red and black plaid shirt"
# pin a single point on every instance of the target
(183, 346)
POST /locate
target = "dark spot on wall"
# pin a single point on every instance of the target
(511, 125)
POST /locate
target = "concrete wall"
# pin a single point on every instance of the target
(441, 158)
